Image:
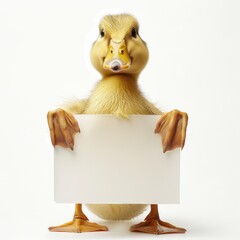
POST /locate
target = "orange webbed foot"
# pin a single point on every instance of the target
(78, 226)
(63, 126)
(80, 223)
(156, 226)
(172, 127)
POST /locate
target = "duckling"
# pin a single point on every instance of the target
(120, 55)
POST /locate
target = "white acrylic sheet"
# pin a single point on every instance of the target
(116, 161)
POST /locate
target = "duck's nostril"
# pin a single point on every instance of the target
(115, 66)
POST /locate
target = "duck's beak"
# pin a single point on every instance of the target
(117, 58)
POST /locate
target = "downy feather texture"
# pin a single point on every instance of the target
(117, 211)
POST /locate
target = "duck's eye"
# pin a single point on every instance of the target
(102, 34)
(134, 33)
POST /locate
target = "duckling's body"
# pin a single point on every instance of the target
(120, 55)
(118, 95)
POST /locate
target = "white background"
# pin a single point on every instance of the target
(193, 66)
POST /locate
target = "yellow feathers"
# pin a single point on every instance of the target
(118, 95)
(118, 25)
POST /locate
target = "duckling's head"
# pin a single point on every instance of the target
(119, 48)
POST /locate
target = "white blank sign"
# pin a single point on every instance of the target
(116, 161)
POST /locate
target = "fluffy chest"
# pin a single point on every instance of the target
(116, 99)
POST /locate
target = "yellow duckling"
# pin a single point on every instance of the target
(120, 55)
